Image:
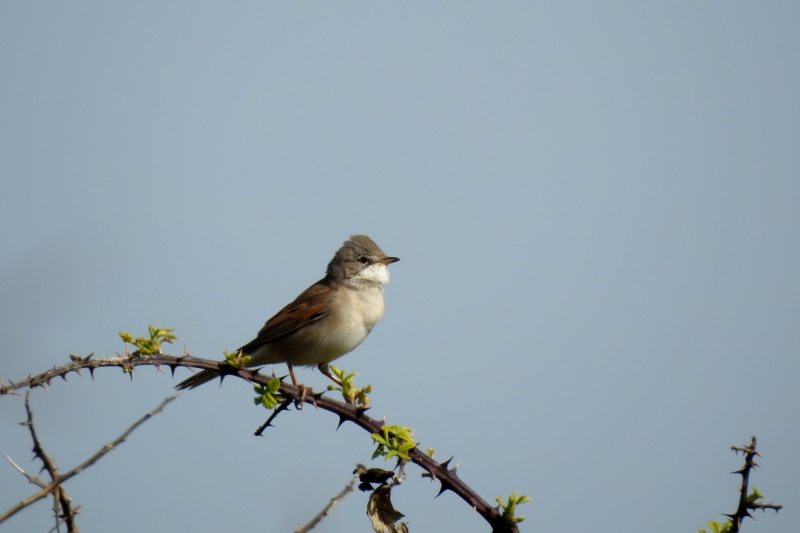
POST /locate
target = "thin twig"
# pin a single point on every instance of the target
(33, 479)
(328, 508)
(36, 481)
(84, 465)
(284, 405)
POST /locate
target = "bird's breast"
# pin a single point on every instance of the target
(368, 304)
(353, 314)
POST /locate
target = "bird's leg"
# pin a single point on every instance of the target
(303, 389)
(291, 373)
(323, 367)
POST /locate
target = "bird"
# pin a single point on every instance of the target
(329, 319)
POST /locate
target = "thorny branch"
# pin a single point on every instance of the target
(284, 405)
(745, 503)
(57, 527)
(346, 412)
(59, 479)
(59, 494)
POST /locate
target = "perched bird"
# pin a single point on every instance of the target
(328, 319)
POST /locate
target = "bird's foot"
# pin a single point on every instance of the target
(304, 393)
(298, 402)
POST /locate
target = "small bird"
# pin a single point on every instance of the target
(327, 320)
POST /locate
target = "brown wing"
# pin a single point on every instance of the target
(310, 306)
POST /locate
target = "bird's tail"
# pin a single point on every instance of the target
(196, 380)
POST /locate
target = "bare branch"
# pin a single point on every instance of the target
(328, 508)
(764, 506)
(89, 462)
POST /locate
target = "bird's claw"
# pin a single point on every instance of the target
(304, 393)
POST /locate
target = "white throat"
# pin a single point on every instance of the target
(376, 273)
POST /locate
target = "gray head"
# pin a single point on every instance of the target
(360, 258)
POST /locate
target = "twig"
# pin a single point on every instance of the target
(345, 412)
(328, 508)
(36, 481)
(84, 465)
(33, 479)
(284, 405)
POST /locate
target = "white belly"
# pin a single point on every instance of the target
(357, 312)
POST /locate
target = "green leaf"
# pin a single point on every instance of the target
(152, 345)
(406, 446)
(510, 507)
(378, 452)
(754, 496)
(336, 372)
(269, 401)
(716, 527)
(274, 385)
(393, 441)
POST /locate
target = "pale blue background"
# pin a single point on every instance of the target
(596, 207)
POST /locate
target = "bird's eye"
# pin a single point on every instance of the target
(363, 260)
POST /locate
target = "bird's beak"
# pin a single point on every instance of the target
(389, 260)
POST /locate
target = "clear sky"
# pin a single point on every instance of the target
(596, 207)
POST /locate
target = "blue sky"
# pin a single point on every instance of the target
(596, 207)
